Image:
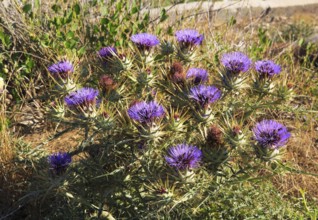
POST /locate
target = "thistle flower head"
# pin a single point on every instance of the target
(83, 98)
(107, 52)
(106, 82)
(270, 134)
(205, 95)
(184, 156)
(59, 162)
(144, 112)
(61, 69)
(176, 73)
(189, 38)
(214, 136)
(236, 62)
(197, 75)
(267, 68)
(145, 41)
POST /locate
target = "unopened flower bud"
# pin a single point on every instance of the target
(176, 73)
(290, 85)
(176, 117)
(107, 83)
(161, 190)
(105, 115)
(214, 136)
(166, 48)
(237, 130)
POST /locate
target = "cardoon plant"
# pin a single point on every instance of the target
(61, 70)
(83, 100)
(59, 162)
(183, 157)
(146, 113)
(125, 144)
(197, 75)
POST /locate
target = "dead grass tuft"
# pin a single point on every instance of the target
(302, 153)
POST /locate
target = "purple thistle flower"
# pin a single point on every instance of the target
(59, 162)
(82, 98)
(184, 156)
(61, 69)
(205, 95)
(197, 75)
(107, 52)
(144, 112)
(267, 68)
(270, 134)
(145, 41)
(236, 62)
(189, 38)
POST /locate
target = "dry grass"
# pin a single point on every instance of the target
(13, 175)
(6, 150)
(302, 154)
